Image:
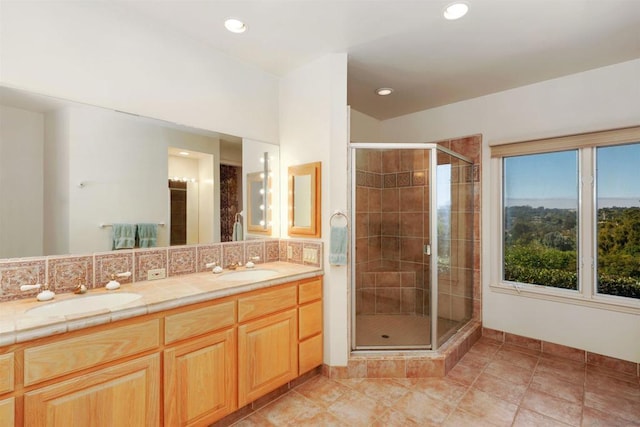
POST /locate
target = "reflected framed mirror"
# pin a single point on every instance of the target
(304, 200)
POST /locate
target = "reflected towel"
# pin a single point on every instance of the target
(124, 236)
(237, 232)
(147, 235)
(338, 245)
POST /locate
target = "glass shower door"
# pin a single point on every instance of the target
(454, 259)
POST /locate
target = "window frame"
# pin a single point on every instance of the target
(586, 144)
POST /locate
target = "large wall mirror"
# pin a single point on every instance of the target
(68, 171)
(304, 200)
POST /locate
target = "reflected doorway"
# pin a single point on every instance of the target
(191, 196)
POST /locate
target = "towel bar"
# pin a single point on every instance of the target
(161, 224)
(338, 214)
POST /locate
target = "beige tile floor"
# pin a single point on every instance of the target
(494, 384)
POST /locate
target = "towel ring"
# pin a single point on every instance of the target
(338, 214)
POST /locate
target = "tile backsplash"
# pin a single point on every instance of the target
(63, 273)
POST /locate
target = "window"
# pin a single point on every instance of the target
(618, 220)
(569, 217)
(540, 211)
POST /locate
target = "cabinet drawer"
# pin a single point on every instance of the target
(266, 302)
(68, 355)
(6, 373)
(200, 321)
(310, 354)
(310, 319)
(311, 290)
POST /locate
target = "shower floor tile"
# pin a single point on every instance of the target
(609, 398)
(397, 330)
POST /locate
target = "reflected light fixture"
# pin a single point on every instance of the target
(384, 91)
(184, 153)
(455, 11)
(235, 25)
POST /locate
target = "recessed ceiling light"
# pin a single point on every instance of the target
(456, 11)
(235, 25)
(184, 153)
(384, 91)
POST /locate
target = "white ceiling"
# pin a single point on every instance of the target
(408, 45)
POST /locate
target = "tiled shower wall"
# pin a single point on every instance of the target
(392, 217)
(63, 273)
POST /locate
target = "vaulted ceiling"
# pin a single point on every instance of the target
(409, 46)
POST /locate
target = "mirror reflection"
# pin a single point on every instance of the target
(302, 201)
(69, 171)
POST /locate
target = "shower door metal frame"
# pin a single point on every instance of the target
(433, 233)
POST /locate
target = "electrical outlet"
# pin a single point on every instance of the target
(310, 255)
(155, 274)
(289, 252)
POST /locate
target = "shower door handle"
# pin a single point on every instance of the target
(426, 249)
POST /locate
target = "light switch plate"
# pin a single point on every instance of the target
(155, 274)
(310, 255)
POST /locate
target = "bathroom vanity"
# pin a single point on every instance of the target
(192, 350)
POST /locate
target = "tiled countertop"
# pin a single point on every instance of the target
(17, 325)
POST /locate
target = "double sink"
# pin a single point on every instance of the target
(109, 301)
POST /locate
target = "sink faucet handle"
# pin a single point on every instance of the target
(124, 274)
(30, 287)
(255, 258)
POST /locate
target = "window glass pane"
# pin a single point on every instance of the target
(618, 220)
(540, 202)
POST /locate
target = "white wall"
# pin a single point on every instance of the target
(122, 164)
(604, 98)
(56, 182)
(21, 182)
(313, 127)
(96, 53)
(364, 128)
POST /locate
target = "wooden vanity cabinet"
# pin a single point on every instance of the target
(7, 385)
(127, 393)
(267, 341)
(200, 373)
(188, 366)
(310, 352)
(95, 377)
(7, 412)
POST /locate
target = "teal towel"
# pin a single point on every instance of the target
(338, 246)
(124, 236)
(237, 232)
(147, 235)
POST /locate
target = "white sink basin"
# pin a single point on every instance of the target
(83, 304)
(250, 275)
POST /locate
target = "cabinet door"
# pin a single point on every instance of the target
(267, 355)
(124, 394)
(200, 380)
(7, 412)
